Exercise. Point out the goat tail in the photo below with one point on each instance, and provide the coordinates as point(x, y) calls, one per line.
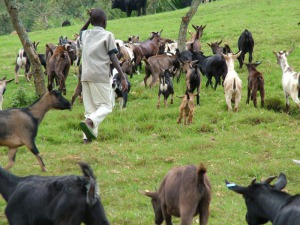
point(234, 84)
point(91, 185)
point(201, 170)
point(202, 180)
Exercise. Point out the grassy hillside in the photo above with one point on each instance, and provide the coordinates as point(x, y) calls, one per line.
point(137, 147)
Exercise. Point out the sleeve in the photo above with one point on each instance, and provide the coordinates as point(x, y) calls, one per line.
point(111, 44)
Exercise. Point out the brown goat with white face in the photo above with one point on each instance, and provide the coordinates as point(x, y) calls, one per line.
point(185, 192)
point(255, 83)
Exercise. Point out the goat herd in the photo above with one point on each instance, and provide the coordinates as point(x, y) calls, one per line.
point(185, 191)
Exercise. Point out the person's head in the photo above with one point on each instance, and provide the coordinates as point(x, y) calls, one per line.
point(98, 18)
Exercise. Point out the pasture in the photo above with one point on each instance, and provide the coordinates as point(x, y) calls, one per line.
point(136, 147)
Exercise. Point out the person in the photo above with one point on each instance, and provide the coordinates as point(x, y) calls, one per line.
point(98, 51)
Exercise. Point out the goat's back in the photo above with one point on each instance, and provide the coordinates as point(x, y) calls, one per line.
point(184, 186)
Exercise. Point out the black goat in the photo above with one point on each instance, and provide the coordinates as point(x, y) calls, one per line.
point(19, 127)
point(211, 66)
point(69, 200)
point(245, 44)
point(165, 87)
point(266, 202)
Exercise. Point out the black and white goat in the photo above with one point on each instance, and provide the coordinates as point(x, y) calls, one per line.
point(69, 200)
point(266, 202)
point(165, 87)
point(22, 61)
point(120, 94)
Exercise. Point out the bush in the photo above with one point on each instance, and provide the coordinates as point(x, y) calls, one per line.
point(22, 98)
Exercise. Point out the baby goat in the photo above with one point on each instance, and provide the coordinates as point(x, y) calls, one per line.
point(3, 83)
point(185, 192)
point(19, 127)
point(255, 83)
point(69, 200)
point(186, 108)
point(165, 87)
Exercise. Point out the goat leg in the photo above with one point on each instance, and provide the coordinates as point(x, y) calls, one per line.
point(11, 158)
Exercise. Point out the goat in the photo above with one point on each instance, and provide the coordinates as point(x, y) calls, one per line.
point(165, 87)
point(192, 78)
point(23, 61)
point(3, 83)
point(58, 66)
point(146, 49)
point(69, 199)
point(255, 83)
point(210, 66)
point(266, 202)
point(186, 108)
point(290, 79)
point(78, 89)
point(66, 23)
point(154, 68)
point(117, 87)
point(195, 43)
point(245, 44)
point(232, 82)
point(19, 127)
point(184, 192)
point(217, 49)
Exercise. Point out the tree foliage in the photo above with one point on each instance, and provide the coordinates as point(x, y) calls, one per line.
point(44, 14)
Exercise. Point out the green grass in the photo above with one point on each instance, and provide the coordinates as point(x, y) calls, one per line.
point(137, 147)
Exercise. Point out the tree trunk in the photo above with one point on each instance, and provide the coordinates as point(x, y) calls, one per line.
point(36, 69)
point(185, 23)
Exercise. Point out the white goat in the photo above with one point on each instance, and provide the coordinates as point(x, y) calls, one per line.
point(3, 83)
point(232, 82)
point(290, 79)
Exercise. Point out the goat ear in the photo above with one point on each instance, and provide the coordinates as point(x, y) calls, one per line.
point(209, 44)
point(269, 179)
point(281, 182)
point(219, 42)
point(236, 188)
point(3, 78)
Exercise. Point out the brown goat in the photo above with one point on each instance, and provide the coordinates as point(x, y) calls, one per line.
point(217, 49)
point(195, 44)
point(58, 66)
point(255, 83)
point(185, 192)
point(156, 63)
point(187, 108)
point(19, 127)
point(146, 48)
